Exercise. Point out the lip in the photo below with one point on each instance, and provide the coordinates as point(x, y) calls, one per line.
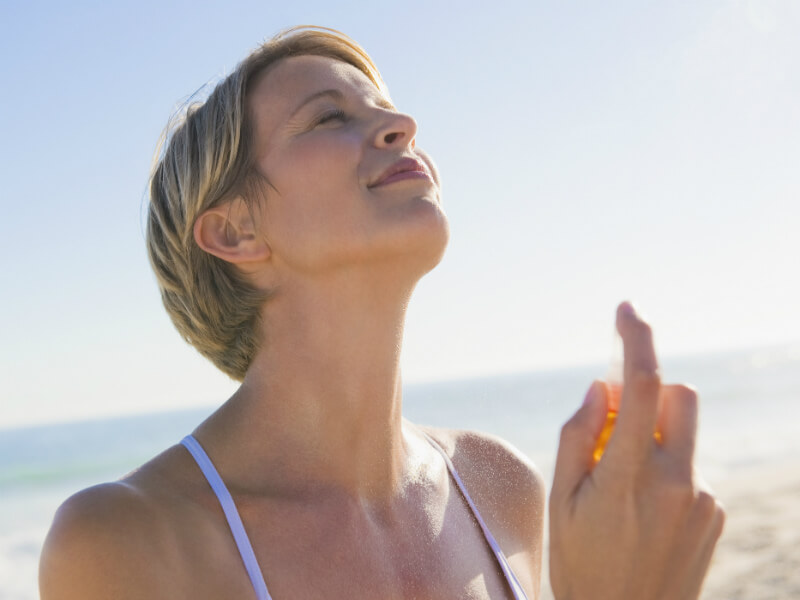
point(405, 168)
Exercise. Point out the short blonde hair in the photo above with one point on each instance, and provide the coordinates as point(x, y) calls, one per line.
point(205, 158)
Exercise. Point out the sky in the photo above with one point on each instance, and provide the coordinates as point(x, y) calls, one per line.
point(590, 153)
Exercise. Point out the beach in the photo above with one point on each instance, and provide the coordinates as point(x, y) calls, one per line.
point(758, 556)
point(748, 457)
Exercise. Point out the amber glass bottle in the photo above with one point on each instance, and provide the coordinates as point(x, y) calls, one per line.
point(614, 381)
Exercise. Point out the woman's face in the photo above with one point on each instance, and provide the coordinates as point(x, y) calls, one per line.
point(330, 143)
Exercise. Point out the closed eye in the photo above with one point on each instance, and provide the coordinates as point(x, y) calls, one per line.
point(334, 115)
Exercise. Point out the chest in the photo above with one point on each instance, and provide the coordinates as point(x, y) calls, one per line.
point(441, 554)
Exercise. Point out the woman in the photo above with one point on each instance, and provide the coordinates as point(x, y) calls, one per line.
point(291, 217)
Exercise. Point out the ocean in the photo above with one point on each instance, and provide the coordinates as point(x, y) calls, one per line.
point(749, 416)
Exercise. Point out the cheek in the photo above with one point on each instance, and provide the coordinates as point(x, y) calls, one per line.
point(327, 160)
point(307, 232)
point(318, 208)
point(319, 181)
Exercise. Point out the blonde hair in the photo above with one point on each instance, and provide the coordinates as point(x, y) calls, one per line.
point(205, 158)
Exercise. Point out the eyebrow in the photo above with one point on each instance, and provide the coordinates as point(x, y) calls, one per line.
point(337, 95)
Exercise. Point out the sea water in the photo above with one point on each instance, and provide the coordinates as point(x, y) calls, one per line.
point(748, 416)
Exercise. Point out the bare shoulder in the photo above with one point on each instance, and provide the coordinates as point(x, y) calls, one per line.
point(509, 492)
point(108, 541)
point(500, 479)
point(496, 469)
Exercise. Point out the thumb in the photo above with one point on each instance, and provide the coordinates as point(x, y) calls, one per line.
point(575, 459)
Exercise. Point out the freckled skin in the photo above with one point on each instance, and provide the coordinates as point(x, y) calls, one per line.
point(160, 533)
point(340, 496)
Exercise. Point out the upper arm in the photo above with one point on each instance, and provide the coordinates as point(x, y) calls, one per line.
point(100, 545)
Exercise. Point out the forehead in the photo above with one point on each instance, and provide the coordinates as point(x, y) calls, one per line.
point(284, 86)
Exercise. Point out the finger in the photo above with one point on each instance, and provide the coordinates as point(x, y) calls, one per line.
point(575, 458)
point(702, 553)
point(677, 422)
point(637, 340)
point(640, 394)
point(708, 521)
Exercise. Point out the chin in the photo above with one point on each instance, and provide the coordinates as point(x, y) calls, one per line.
point(430, 235)
point(441, 242)
point(410, 237)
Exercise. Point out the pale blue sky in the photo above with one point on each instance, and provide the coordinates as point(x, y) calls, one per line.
point(590, 152)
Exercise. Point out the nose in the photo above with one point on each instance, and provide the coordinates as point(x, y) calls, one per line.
point(397, 129)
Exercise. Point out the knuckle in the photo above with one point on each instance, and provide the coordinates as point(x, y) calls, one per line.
point(686, 392)
point(567, 431)
point(645, 381)
point(568, 427)
point(571, 430)
point(575, 437)
point(679, 496)
point(706, 505)
point(719, 520)
point(643, 329)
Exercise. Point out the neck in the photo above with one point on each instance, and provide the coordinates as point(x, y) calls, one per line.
point(320, 405)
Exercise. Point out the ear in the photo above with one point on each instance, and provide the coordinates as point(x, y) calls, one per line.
point(228, 232)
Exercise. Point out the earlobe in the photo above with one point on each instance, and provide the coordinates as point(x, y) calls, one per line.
point(228, 232)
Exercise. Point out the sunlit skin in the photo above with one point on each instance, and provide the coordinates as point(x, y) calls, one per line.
point(639, 523)
point(321, 159)
point(342, 497)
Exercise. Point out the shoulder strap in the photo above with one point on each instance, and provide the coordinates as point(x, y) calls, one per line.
point(513, 582)
point(231, 514)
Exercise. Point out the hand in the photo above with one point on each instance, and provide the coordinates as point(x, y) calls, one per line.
point(637, 525)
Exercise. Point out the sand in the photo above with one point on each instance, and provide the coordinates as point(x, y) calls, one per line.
point(758, 555)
